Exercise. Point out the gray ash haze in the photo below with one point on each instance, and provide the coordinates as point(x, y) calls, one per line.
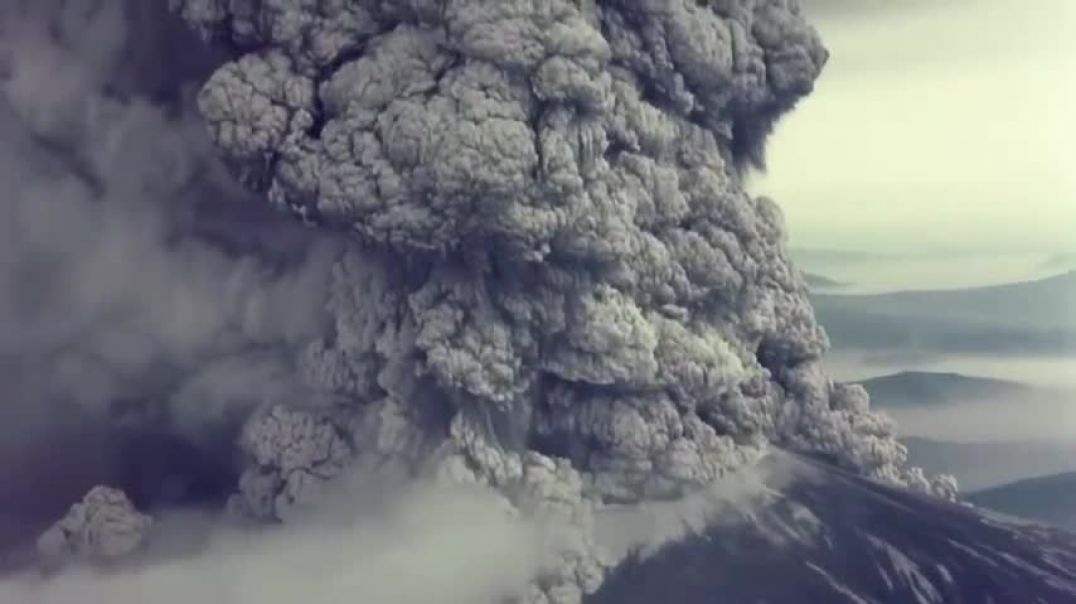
point(342, 294)
point(141, 318)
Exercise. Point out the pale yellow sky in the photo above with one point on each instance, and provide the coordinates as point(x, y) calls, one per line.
point(945, 125)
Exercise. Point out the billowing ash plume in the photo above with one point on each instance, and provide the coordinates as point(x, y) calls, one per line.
point(103, 526)
point(535, 266)
point(556, 252)
point(558, 280)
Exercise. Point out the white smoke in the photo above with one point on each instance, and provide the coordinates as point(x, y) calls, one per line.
point(389, 543)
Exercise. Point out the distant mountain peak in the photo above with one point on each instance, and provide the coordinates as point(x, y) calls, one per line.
point(815, 280)
point(932, 388)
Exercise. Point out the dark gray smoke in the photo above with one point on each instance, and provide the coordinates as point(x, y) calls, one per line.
point(147, 304)
point(535, 268)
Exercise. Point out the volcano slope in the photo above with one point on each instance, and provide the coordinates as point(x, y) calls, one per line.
point(832, 536)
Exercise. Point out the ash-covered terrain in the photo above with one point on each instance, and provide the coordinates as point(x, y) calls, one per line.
point(410, 301)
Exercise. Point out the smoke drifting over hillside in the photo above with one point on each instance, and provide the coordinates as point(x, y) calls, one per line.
point(532, 266)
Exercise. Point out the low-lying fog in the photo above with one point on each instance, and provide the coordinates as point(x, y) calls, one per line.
point(1040, 416)
point(984, 441)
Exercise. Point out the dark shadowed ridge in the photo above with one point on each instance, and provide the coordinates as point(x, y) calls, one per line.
point(864, 543)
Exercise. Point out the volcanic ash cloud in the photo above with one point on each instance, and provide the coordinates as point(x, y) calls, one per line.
point(555, 285)
point(559, 285)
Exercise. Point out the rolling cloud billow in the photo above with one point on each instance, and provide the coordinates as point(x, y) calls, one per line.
point(529, 266)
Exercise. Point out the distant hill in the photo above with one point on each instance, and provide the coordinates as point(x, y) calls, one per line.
point(920, 388)
point(1044, 303)
point(1063, 261)
point(1035, 317)
point(981, 465)
point(816, 281)
point(814, 256)
point(1050, 499)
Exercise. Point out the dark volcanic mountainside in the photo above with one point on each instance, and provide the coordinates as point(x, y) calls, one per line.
point(833, 537)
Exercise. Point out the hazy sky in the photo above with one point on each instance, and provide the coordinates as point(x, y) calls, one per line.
point(943, 124)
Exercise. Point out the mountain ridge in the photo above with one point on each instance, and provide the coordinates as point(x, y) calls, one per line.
point(1050, 498)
